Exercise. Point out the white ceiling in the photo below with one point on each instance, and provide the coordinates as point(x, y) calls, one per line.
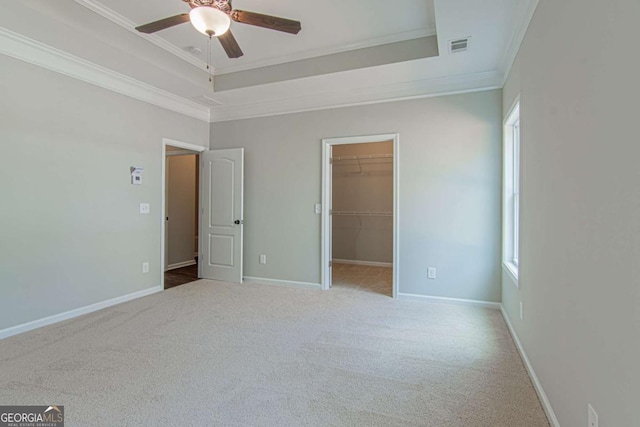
point(328, 26)
point(102, 32)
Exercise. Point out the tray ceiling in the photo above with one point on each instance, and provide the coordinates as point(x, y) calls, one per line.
point(276, 75)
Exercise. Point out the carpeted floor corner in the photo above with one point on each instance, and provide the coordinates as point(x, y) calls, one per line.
point(218, 354)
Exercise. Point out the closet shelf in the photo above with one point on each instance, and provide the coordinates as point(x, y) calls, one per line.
point(357, 213)
point(363, 157)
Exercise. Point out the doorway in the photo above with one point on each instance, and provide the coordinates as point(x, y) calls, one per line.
point(180, 224)
point(181, 216)
point(219, 217)
point(360, 213)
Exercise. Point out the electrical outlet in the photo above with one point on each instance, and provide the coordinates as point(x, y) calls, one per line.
point(144, 208)
point(317, 208)
point(593, 417)
point(521, 311)
point(145, 267)
point(263, 259)
point(431, 273)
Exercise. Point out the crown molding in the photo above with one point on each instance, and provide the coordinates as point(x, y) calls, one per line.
point(524, 16)
point(129, 25)
point(426, 88)
point(314, 53)
point(37, 53)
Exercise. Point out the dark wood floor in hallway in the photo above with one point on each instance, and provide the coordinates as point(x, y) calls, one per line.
point(180, 276)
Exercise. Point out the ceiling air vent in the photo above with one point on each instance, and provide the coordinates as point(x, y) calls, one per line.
point(459, 45)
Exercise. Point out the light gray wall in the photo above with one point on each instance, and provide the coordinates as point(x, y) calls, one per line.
point(449, 189)
point(363, 186)
point(580, 223)
point(181, 208)
point(70, 231)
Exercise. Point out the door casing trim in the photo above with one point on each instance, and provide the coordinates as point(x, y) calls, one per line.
point(325, 248)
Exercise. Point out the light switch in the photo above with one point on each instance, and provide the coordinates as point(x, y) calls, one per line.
point(144, 208)
point(318, 208)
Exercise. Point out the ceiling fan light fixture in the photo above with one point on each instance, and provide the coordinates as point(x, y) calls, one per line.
point(209, 20)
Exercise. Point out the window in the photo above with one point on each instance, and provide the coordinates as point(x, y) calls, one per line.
point(515, 191)
point(511, 196)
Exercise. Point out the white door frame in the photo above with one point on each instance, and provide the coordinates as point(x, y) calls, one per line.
point(326, 202)
point(187, 146)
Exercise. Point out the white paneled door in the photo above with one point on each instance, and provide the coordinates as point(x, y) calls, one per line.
point(222, 215)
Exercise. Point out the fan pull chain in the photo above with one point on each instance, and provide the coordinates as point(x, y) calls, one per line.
point(209, 68)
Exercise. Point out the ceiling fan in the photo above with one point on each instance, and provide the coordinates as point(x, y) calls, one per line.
point(213, 18)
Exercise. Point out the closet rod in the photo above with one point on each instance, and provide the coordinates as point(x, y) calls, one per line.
point(356, 213)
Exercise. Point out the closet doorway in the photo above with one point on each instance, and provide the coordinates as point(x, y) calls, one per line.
point(360, 214)
point(181, 216)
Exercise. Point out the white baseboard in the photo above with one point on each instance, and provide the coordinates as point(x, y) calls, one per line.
point(546, 405)
point(457, 301)
point(289, 283)
point(35, 324)
point(369, 263)
point(180, 265)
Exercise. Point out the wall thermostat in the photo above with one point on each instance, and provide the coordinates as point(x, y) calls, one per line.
point(136, 175)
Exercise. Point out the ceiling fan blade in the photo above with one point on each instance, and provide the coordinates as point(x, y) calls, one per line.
point(266, 21)
point(152, 27)
point(230, 45)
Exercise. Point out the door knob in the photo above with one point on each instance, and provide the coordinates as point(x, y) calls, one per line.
point(238, 221)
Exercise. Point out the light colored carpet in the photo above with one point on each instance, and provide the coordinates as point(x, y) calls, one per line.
point(217, 354)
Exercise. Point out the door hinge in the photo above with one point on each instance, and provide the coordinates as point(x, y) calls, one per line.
point(330, 160)
point(330, 264)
